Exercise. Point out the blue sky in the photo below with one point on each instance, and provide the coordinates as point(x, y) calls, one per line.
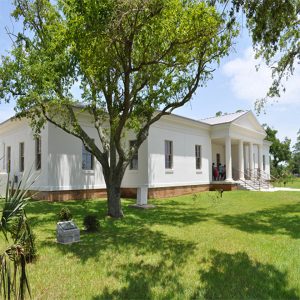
point(236, 85)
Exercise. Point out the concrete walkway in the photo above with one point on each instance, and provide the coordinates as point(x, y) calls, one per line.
point(278, 189)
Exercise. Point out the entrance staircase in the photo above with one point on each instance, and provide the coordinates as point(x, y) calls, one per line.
point(255, 181)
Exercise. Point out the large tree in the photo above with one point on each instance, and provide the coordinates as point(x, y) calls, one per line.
point(295, 161)
point(135, 61)
point(274, 26)
point(279, 150)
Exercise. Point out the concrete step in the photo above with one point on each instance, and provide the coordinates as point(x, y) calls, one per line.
point(252, 185)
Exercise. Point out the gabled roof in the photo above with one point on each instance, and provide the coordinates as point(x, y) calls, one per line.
point(228, 118)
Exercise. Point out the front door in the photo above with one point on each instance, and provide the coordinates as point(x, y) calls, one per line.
point(218, 159)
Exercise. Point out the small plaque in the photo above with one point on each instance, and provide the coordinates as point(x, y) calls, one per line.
point(67, 232)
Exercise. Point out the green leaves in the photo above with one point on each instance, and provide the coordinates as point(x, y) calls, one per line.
point(275, 29)
point(280, 150)
point(131, 58)
point(13, 278)
point(16, 230)
point(156, 44)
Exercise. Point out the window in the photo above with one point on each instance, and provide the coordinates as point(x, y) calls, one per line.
point(198, 156)
point(168, 154)
point(218, 159)
point(38, 153)
point(134, 163)
point(21, 157)
point(87, 159)
point(8, 159)
point(264, 162)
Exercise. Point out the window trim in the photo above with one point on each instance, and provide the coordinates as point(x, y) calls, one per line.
point(198, 158)
point(169, 157)
point(87, 170)
point(38, 153)
point(21, 156)
point(135, 156)
point(8, 159)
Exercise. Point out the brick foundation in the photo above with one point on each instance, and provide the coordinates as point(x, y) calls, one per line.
point(69, 195)
point(223, 186)
point(129, 193)
point(165, 192)
point(161, 192)
point(79, 194)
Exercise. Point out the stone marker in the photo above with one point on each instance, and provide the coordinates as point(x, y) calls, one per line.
point(67, 232)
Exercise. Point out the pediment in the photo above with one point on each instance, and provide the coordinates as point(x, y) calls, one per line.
point(250, 122)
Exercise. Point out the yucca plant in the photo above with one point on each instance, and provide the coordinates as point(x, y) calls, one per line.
point(17, 235)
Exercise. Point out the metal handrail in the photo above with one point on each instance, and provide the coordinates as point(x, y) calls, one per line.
point(246, 174)
point(256, 181)
point(267, 175)
point(248, 184)
point(260, 178)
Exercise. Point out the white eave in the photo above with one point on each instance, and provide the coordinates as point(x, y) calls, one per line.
point(224, 119)
point(268, 143)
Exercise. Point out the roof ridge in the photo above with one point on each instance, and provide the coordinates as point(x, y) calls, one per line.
point(226, 114)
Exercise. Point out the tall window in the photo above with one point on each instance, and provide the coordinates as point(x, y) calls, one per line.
point(87, 159)
point(264, 162)
point(21, 157)
point(134, 163)
point(4, 160)
point(168, 154)
point(8, 159)
point(38, 153)
point(198, 156)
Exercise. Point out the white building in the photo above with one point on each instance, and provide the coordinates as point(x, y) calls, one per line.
point(175, 159)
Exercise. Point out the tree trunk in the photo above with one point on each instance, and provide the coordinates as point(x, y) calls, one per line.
point(114, 199)
point(113, 178)
point(113, 175)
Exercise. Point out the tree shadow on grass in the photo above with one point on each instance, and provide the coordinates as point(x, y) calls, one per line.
point(118, 239)
point(143, 279)
point(236, 276)
point(283, 219)
point(168, 213)
point(132, 231)
point(43, 212)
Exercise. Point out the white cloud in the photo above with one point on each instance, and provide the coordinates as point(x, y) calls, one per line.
point(249, 84)
point(6, 111)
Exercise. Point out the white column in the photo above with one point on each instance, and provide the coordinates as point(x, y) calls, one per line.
point(241, 160)
point(228, 159)
point(251, 160)
point(260, 158)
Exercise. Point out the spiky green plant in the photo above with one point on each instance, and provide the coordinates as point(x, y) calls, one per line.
point(19, 241)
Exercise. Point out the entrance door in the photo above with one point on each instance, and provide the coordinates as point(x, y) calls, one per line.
point(218, 159)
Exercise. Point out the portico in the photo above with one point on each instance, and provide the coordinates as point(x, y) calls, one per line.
point(243, 159)
point(238, 145)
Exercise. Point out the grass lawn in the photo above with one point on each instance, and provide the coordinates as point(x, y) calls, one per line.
point(243, 246)
point(294, 183)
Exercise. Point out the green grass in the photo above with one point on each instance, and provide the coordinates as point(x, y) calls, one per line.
point(294, 183)
point(243, 246)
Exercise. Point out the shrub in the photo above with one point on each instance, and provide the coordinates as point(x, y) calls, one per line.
point(65, 214)
point(19, 247)
point(26, 239)
point(29, 246)
point(91, 223)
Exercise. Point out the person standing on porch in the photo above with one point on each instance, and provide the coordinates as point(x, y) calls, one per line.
point(221, 172)
point(215, 172)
